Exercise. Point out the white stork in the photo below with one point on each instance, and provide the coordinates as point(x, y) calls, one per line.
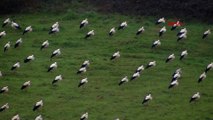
point(18, 43)
point(139, 69)
point(140, 31)
point(151, 64)
point(4, 107)
point(39, 117)
point(15, 25)
point(82, 82)
point(115, 55)
point(161, 20)
point(84, 116)
point(56, 52)
point(82, 70)
point(29, 58)
point(16, 117)
point(182, 31)
point(195, 97)
point(182, 36)
point(57, 78)
point(173, 84)
point(54, 30)
point(122, 25)
point(175, 25)
point(135, 75)
point(202, 77)
point(206, 33)
point(52, 66)
point(123, 80)
point(147, 98)
point(176, 76)
point(38, 105)
point(26, 85)
point(28, 29)
point(162, 31)
point(84, 23)
point(7, 21)
point(2, 34)
point(15, 66)
point(4, 89)
point(55, 25)
point(45, 44)
point(6, 46)
point(170, 58)
point(156, 43)
point(112, 31)
point(86, 63)
point(209, 67)
point(183, 54)
point(89, 34)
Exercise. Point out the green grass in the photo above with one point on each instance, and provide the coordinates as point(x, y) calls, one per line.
point(102, 98)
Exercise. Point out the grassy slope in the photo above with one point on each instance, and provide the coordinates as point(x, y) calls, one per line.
point(102, 97)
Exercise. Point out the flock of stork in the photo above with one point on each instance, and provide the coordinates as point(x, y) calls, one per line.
point(182, 34)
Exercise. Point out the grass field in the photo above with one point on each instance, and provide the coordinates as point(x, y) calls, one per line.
point(101, 97)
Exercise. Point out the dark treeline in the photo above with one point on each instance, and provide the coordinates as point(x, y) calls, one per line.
point(180, 9)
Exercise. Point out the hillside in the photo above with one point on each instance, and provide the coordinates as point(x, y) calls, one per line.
point(101, 97)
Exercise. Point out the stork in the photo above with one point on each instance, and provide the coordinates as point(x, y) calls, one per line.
point(4, 107)
point(39, 117)
point(202, 77)
point(84, 116)
point(15, 25)
point(170, 58)
point(122, 25)
point(135, 75)
point(179, 70)
point(4, 89)
point(140, 31)
point(86, 63)
point(182, 36)
point(182, 31)
point(195, 97)
point(139, 69)
point(151, 64)
point(84, 23)
point(82, 70)
point(147, 98)
point(54, 30)
point(2, 34)
point(175, 25)
point(55, 25)
point(183, 54)
point(161, 20)
point(173, 84)
point(28, 29)
point(18, 43)
point(123, 80)
point(52, 66)
point(56, 52)
point(16, 66)
point(112, 31)
point(45, 44)
point(7, 21)
point(206, 33)
point(16, 117)
point(176, 76)
point(82, 82)
point(57, 78)
point(162, 31)
point(115, 55)
point(29, 58)
point(209, 67)
point(26, 85)
point(38, 105)
point(89, 34)
point(156, 43)
point(6, 46)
